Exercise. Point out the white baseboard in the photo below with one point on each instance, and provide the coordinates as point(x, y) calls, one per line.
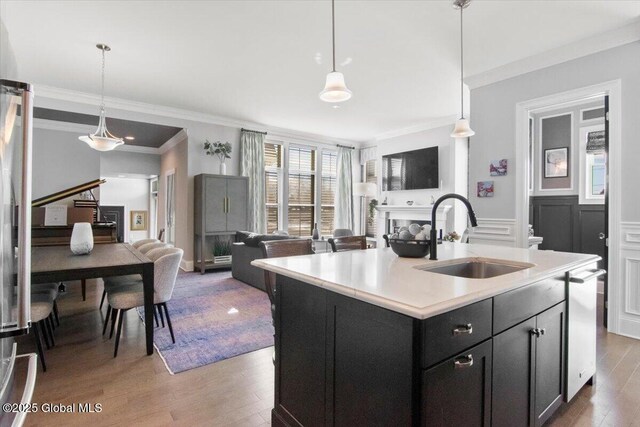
point(186, 265)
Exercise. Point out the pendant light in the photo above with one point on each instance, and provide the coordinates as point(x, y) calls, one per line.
point(335, 90)
point(102, 139)
point(462, 129)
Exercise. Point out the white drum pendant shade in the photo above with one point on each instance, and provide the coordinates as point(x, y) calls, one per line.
point(462, 129)
point(335, 90)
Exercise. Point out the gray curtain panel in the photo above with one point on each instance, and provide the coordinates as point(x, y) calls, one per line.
point(344, 192)
point(252, 166)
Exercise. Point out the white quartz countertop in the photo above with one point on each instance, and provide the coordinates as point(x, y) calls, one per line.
point(380, 277)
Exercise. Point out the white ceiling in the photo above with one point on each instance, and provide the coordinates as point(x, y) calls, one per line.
point(265, 61)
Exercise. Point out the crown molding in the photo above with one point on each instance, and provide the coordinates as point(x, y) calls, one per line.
point(173, 141)
point(81, 129)
point(76, 97)
point(431, 124)
point(598, 43)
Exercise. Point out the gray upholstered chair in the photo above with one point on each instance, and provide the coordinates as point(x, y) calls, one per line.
point(131, 295)
point(348, 243)
point(139, 243)
point(109, 282)
point(50, 289)
point(41, 308)
point(342, 232)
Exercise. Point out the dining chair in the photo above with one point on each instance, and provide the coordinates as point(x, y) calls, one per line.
point(139, 243)
point(50, 289)
point(127, 296)
point(342, 232)
point(281, 248)
point(41, 308)
point(348, 243)
point(112, 281)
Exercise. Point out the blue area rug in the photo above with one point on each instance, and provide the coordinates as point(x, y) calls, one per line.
point(214, 317)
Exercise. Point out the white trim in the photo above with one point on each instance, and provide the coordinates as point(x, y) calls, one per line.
point(494, 231)
point(431, 124)
point(540, 165)
point(591, 121)
point(83, 129)
point(173, 141)
point(186, 265)
point(584, 47)
point(59, 94)
point(614, 90)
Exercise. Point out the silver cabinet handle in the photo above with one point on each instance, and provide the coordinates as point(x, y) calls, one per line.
point(464, 329)
point(594, 274)
point(23, 265)
point(463, 362)
point(601, 236)
point(538, 332)
point(27, 393)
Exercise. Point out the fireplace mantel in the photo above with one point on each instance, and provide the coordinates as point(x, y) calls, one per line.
point(444, 218)
point(417, 209)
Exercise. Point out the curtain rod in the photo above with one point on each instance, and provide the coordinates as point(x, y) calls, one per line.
point(254, 131)
point(345, 146)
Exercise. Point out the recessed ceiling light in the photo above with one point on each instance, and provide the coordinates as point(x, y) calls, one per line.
point(122, 176)
point(129, 138)
point(335, 107)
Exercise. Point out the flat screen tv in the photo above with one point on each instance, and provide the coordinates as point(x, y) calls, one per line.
point(411, 170)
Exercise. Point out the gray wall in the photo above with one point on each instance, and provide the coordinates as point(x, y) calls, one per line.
point(8, 67)
point(61, 161)
point(125, 162)
point(493, 119)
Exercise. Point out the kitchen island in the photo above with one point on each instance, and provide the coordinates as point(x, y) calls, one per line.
point(368, 338)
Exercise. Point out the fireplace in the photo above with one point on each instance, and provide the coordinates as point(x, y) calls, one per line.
point(394, 224)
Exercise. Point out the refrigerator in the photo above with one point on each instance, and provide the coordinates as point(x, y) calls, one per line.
point(16, 122)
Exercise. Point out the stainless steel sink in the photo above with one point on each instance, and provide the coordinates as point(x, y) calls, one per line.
point(475, 268)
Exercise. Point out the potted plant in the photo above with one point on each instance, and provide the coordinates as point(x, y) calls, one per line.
point(220, 149)
point(372, 210)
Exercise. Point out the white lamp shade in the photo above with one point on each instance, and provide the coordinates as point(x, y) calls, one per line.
point(365, 189)
point(462, 129)
point(335, 90)
point(101, 143)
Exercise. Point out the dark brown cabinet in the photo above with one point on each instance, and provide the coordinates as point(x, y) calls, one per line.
point(528, 369)
point(344, 362)
point(457, 392)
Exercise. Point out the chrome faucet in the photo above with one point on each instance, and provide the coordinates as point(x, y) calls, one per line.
point(434, 232)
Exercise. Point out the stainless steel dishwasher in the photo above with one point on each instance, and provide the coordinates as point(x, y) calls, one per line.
point(582, 288)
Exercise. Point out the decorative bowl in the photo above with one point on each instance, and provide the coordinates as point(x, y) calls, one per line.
point(410, 202)
point(408, 248)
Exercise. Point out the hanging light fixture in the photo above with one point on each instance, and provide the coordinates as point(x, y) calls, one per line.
point(335, 90)
point(102, 139)
point(462, 129)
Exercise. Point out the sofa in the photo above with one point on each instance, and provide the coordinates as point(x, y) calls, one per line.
point(246, 249)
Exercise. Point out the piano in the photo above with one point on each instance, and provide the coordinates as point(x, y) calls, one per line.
point(83, 211)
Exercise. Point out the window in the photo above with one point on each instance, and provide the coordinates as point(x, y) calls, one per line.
point(273, 183)
point(370, 175)
point(328, 191)
point(302, 188)
point(593, 165)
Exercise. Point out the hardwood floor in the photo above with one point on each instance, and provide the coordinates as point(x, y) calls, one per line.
point(135, 389)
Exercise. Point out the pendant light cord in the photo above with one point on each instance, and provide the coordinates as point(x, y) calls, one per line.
point(102, 93)
point(461, 67)
point(333, 33)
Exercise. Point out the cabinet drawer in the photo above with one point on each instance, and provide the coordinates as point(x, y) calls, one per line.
point(450, 333)
point(457, 392)
point(518, 305)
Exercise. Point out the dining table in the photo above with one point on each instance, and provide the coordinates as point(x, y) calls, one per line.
point(59, 264)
